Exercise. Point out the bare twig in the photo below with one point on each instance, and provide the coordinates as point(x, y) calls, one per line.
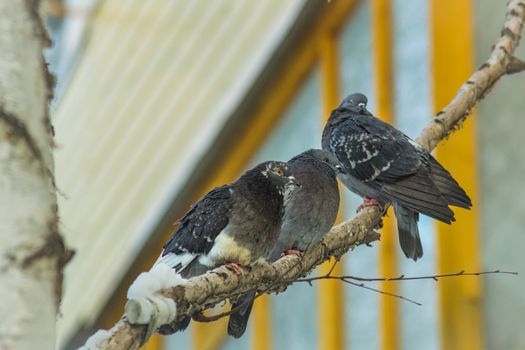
point(362, 285)
point(515, 66)
point(205, 291)
point(403, 277)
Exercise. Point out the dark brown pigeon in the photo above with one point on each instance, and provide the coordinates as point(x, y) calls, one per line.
point(236, 224)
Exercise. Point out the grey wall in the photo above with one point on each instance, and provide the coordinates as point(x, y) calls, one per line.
point(501, 120)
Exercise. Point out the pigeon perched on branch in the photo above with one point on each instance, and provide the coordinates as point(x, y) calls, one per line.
point(236, 224)
point(310, 212)
point(383, 165)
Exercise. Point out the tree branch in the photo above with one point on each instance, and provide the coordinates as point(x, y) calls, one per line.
point(202, 292)
point(500, 62)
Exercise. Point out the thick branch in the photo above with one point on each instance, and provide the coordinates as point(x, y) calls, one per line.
point(205, 291)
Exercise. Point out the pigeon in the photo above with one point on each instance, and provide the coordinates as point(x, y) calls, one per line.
point(383, 165)
point(310, 212)
point(235, 224)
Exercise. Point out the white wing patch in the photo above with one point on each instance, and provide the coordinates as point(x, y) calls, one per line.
point(369, 155)
point(172, 260)
point(377, 171)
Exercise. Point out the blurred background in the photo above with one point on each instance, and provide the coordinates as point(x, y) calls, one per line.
point(159, 101)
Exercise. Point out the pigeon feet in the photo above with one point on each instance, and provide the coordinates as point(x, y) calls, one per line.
point(292, 252)
point(369, 202)
point(235, 267)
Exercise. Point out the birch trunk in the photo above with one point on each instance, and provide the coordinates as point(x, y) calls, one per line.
point(32, 252)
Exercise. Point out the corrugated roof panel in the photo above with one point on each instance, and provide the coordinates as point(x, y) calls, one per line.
point(157, 81)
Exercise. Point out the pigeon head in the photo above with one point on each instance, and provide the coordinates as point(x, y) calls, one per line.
point(327, 158)
point(355, 103)
point(327, 161)
point(278, 173)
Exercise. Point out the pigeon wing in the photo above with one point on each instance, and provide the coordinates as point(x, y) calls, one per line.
point(198, 229)
point(371, 151)
point(386, 159)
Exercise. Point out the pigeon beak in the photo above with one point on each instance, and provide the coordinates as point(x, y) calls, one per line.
point(293, 181)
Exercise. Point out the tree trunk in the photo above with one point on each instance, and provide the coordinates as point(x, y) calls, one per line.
point(32, 252)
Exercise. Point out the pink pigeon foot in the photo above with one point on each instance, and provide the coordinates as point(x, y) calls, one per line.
point(369, 202)
point(235, 267)
point(291, 252)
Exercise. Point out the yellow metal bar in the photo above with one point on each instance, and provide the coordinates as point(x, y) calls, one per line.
point(262, 324)
point(156, 342)
point(452, 59)
point(381, 18)
point(330, 296)
point(208, 336)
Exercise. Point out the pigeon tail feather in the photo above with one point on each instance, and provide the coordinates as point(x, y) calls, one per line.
point(176, 326)
point(408, 232)
point(239, 320)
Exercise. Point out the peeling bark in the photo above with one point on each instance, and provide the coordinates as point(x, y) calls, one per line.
point(500, 62)
point(207, 290)
point(32, 253)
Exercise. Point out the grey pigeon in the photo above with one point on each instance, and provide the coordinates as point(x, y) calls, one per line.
point(381, 163)
point(310, 212)
point(236, 224)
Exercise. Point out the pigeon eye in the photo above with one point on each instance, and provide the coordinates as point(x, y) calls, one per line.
point(279, 172)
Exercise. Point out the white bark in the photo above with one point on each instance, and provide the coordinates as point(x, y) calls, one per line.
point(32, 253)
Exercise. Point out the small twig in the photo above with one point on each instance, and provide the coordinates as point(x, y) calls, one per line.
point(329, 273)
point(200, 317)
point(362, 285)
point(347, 279)
point(403, 278)
point(515, 66)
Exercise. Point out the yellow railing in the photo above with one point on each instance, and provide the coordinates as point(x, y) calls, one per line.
point(381, 20)
point(452, 57)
